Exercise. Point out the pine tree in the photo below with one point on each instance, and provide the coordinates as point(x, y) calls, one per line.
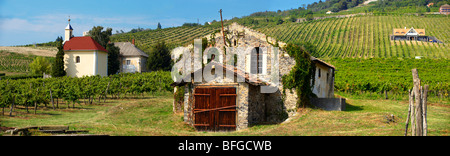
point(113, 59)
point(58, 66)
point(159, 26)
point(159, 58)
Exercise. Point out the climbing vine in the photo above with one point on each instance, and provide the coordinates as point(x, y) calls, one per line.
point(301, 77)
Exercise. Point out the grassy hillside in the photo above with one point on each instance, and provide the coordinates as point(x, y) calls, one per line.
point(366, 36)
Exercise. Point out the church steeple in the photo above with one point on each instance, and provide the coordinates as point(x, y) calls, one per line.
point(68, 32)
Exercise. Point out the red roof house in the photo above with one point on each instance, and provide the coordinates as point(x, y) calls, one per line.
point(83, 56)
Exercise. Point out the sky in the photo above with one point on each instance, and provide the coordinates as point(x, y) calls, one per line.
point(39, 21)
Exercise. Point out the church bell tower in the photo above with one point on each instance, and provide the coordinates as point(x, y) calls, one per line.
point(68, 32)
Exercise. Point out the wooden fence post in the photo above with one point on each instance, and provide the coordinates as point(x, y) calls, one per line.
point(424, 109)
point(410, 95)
point(413, 117)
point(417, 110)
point(418, 101)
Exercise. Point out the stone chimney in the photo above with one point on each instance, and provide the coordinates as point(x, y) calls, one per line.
point(132, 41)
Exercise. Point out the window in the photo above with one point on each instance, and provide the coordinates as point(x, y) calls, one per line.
point(328, 75)
point(128, 62)
point(256, 66)
point(319, 72)
point(77, 59)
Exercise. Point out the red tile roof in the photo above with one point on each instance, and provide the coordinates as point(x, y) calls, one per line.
point(83, 43)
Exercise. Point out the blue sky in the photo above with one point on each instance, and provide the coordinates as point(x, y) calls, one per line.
point(29, 21)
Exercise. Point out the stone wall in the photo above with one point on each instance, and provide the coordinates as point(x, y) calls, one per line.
point(242, 106)
point(257, 105)
point(188, 104)
point(290, 97)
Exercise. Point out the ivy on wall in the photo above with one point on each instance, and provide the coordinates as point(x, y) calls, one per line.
point(301, 77)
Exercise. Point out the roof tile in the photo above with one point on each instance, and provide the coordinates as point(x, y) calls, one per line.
point(83, 43)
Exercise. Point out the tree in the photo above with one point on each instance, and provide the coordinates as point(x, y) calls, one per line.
point(58, 66)
point(292, 19)
point(103, 38)
point(190, 24)
point(59, 38)
point(342, 5)
point(279, 21)
point(159, 26)
point(159, 57)
point(40, 65)
point(309, 16)
point(113, 59)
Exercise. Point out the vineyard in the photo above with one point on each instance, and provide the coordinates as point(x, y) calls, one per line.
point(365, 36)
point(14, 62)
point(380, 75)
point(177, 36)
point(35, 92)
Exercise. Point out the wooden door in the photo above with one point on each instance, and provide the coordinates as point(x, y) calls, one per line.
point(215, 108)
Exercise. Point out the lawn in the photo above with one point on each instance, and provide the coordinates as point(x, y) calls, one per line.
point(150, 116)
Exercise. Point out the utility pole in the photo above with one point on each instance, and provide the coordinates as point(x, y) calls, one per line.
point(223, 32)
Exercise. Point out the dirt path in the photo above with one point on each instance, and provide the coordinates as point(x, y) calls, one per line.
point(38, 51)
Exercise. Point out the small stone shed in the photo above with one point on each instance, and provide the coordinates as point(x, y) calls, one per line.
point(226, 104)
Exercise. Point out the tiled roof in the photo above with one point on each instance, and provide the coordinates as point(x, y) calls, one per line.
point(128, 49)
point(446, 6)
point(322, 62)
point(403, 32)
point(82, 43)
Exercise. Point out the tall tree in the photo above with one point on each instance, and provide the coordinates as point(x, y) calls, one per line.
point(113, 59)
point(159, 26)
point(159, 57)
point(103, 38)
point(58, 66)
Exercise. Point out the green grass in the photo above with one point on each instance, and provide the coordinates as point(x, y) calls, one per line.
point(152, 116)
